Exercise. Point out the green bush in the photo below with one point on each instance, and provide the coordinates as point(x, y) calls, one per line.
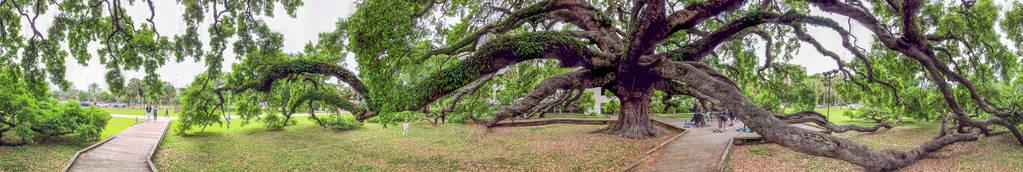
point(611, 107)
point(30, 115)
point(869, 113)
point(341, 123)
point(459, 117)
point(373, 120)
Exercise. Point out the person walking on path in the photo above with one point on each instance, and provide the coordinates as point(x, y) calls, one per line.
point(148, 110)
point(166, 111)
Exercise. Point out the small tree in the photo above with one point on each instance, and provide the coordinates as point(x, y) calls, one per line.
point(611, 107)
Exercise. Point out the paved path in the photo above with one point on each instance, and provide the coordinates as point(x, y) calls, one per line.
point(700, 149)
point(127, 151)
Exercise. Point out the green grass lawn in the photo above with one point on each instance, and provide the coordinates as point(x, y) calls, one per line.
point(53, 154)
point(447, 147)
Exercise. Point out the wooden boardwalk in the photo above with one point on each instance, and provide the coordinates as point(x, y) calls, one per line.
point(698, 149)
point(129, 150)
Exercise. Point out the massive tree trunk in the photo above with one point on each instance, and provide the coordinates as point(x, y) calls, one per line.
point(633, 115)
point(633, 118)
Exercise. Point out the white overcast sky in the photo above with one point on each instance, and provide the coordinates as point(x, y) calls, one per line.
point(318, 16)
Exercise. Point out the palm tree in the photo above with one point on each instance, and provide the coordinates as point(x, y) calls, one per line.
point(169, 92)
point(135, 89)
point(93, 88)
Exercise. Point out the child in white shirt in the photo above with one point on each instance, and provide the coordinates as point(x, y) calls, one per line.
point(405, 126)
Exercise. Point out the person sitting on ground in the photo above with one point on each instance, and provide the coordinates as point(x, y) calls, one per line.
point(697, 118)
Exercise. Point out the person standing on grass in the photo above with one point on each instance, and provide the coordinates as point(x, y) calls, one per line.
point(166, 112)
point(404, 127)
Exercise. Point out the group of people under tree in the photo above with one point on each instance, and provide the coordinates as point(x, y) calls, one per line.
point(724, 118)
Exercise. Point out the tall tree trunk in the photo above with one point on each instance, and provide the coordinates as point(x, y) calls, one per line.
point(635, 93)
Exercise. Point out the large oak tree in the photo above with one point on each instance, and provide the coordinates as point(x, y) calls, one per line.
point(409, 55)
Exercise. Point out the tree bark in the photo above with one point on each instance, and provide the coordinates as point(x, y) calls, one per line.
point(634, 119)
point(635, 93)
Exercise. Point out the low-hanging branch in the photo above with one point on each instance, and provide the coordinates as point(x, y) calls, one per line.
point(778, 131)
point(918, 49)
point(458, 96)
point(493, 56)
point(499, 53)
point(821, 120)
point(547, 87)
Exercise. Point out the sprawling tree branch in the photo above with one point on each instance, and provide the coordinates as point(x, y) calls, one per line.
point(547, 87)
point(514, 20)
point(499, 53)
point(917, 48)
point(696, 13)
point(777, 131)
point(464, 91)
point(821, 120)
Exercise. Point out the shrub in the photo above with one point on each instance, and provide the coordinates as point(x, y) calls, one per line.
point(341, 123)
point(373, 120)
point(28, 113)
point(869, 113)
point(460, 118)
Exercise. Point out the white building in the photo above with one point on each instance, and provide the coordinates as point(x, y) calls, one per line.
point(600, 98)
